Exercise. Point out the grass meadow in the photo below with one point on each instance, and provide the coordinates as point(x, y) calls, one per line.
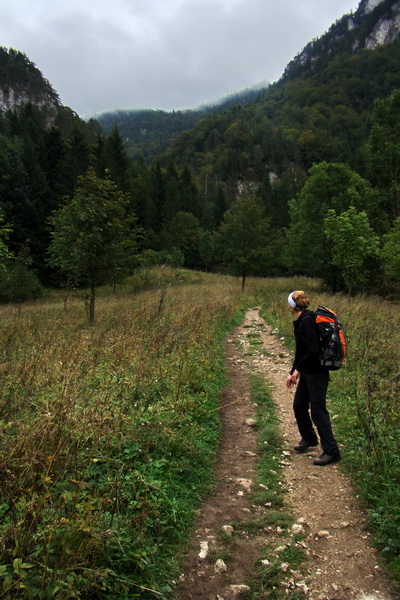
point(108, 432)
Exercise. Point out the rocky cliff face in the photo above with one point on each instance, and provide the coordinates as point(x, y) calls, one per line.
point(368, 6)
point(386, 30)
point(375, 22)
point(22, 82)
point(13, 97)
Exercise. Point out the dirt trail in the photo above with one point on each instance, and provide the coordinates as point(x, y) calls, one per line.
point(341, 563)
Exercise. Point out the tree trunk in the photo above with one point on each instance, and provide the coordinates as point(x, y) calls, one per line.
point(91, 303)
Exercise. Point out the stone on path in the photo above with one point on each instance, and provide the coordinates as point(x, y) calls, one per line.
point(323, 533)
point(220, 566)
point(235, 591)
point(203, 550)
point(227, 529)
point(246, 483)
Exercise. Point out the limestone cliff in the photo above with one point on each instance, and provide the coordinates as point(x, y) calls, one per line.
point(374, 23)
point(21, 82)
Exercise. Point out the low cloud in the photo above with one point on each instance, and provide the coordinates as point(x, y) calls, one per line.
point(103, 55)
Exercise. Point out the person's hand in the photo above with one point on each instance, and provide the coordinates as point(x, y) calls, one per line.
point(292, 379)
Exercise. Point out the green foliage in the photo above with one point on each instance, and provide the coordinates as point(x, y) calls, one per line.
point(173, 258)
point(150, 132)
point(18, 72)
point(38, 165)
point(242, 240)
point(320, 112)
point(319, 115)
point(384, 150)
point(390, 253)
point(5, 254)
point(330, 186)
point(19, 284)
point(354, 245)
point(93, 241)
point(183, 233)
point(118, 160)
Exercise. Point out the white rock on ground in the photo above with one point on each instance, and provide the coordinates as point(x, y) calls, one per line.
point(236, 590)
point(227, 529)
point(246, 483)
point(203, 550)
point(220, 566)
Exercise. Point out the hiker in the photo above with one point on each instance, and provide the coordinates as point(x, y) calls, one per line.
point(310, 395)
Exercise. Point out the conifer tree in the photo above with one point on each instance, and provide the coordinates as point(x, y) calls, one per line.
point(158, 194)
point(142, 200)
point(53, 161)
point(77, 157)
point(117, 160)
point(189, 193)
point(173, 201)
point(100, 156)
point(384, 150)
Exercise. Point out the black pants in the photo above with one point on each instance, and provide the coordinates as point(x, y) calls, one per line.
point(310, 396)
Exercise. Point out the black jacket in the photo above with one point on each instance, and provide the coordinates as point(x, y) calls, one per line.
point(308, 345)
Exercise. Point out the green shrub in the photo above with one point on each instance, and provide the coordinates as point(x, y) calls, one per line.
point(19, 284)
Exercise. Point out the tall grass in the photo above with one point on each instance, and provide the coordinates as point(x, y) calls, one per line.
point(108, 433)
point(108, 436)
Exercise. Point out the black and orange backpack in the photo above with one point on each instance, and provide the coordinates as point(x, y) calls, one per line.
point(333, 340)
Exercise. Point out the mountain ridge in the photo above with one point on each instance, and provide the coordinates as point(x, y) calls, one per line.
point(374, 23)
point(143, 127)
point(21, 82)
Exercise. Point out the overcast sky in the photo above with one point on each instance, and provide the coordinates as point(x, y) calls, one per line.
point(103, 55)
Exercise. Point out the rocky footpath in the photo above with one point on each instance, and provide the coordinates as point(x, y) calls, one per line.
point(340, 561)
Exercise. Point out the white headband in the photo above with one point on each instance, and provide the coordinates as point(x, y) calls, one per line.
point(290, 300)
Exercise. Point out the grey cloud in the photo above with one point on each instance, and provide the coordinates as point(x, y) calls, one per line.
point(103, 55)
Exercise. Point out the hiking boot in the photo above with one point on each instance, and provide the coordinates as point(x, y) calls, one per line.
point(326, 459)
point(302, 446)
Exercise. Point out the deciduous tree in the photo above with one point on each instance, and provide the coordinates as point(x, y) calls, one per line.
point(330, 186)
point(354, 245)
point(93, 238)
point(390, 253)
point(184, 233)
point(5, 254)
point(243, 236)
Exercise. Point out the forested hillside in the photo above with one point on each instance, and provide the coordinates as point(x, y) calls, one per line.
point(240, 191)
point(21, 82)
point(333, 112)
point(148, 133)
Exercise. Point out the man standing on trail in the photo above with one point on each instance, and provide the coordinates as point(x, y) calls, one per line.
point(310, 395)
